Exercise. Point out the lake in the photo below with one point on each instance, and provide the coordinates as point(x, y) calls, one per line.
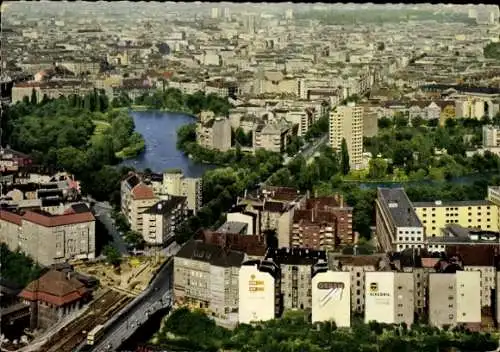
point(159, 129)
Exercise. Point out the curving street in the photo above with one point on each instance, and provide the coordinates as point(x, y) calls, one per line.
point(102, 211)
point(156, 297)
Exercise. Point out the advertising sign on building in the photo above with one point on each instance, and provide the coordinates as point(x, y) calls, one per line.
point(331, 297)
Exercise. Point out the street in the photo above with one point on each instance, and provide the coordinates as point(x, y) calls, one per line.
point(103, 214)
point(157, 296)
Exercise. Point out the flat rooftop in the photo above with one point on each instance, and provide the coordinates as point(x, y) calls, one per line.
point(233, 227)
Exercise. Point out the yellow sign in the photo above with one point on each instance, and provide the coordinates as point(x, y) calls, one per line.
point(255, 285)
point(374, 291)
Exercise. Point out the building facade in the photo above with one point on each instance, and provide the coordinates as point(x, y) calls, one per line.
point(346, 122)
point(259, 291)
point(176, 184)
point(161, 220)
point(436, 215)
point(206, 277)
point(389, 297)
point(455, 298)
point(331, 297)
point(397, 225)
point(49, 238)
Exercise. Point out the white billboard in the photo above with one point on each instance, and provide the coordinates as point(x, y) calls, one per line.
point(256, 295)
point(331, 297)
point(379, 297)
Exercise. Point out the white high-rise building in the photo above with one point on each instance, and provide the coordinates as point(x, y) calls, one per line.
point(259, 291)
point(227, 13)
point(346, 122)
point(289, 14)
point(214, 12)
point(331, 297)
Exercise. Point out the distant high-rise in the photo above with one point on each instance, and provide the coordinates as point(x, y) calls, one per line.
point(346, 122)
point(215, 12)
point(249, 23)
point(289, 14)
point(227, 13)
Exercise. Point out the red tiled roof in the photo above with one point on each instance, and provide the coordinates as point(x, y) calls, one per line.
point(11, 217)
point(57, 220)
point(142, 191)
point(54, 287)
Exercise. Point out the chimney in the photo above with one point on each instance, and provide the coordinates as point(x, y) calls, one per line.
point(68, 276)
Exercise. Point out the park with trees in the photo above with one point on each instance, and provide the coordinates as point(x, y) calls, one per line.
point(194, 331)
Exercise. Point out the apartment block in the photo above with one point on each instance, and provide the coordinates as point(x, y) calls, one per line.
point(176, 184)
point(161, 220)
point(494, 197)
point(272, 136)
point(296, 266)
point(434, 216)
point(357, 266)
point(50, 238)
point(346, 122)
point(455, 298)
point(254, 246)
point(397, 224)
point(491, 136)
point(136, 198)
point(274, 208)
point(324, 224)
point(259, 291)
point(331, 297)
point(206, 277)
point(389, 297)
point(214, 134)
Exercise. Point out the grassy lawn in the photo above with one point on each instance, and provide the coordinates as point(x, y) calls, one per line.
point(100, 127)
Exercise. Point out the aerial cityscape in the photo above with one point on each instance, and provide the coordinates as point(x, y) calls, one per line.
point(249, 177)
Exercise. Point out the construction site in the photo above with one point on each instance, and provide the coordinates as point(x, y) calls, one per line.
point(118, 286)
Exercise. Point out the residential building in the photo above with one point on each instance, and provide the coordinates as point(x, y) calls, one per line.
point(491, 136)
point(259, 291)
point(238, 214)
point(357, 266)
point(52, 297)
point(136, 198)
point(176, 184)
point(296, 266)
point(325, 223)
point(50, 238)
point(254, 246)
point(436, 215)
point(397, 224)
point(346, 122)
point(161, 220)
point(206, 277)
point(389, 297)
point(331, 297)
point(455, 298)
point(494, 197)
point(11, 160)
point(272, 136)
point(419, 263)
point(214, 134)
point(274, 208)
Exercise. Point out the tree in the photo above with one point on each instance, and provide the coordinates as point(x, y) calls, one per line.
point(33, 100)
point(377, 168)
point(344, 157)
point(113, 256)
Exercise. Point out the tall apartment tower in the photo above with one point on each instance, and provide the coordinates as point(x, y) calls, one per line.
point(346, 122)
